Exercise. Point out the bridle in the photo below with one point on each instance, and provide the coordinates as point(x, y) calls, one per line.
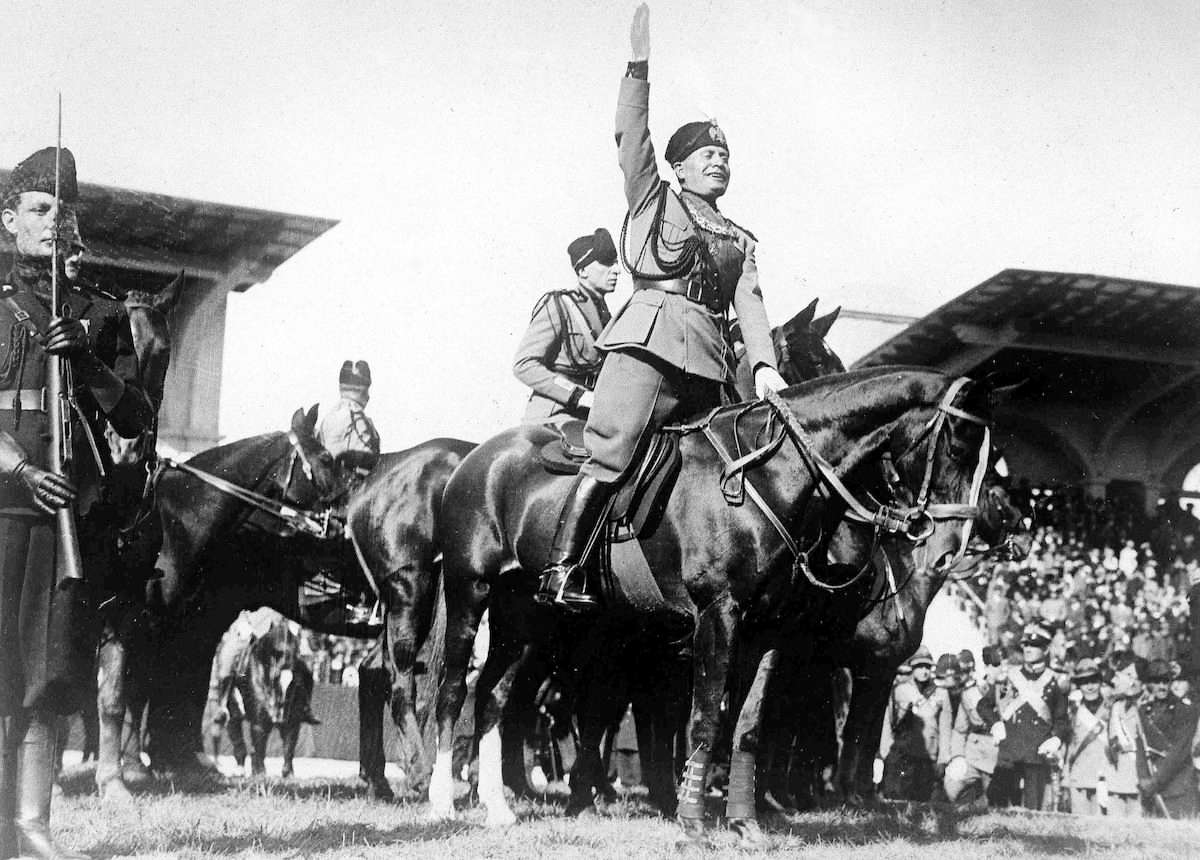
point(319, 524)
point(916, 522)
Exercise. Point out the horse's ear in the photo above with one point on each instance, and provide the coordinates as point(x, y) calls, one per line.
point(310, 420)
point(165, 299)
point(822, 325)
point(805, 317)
point(1003, 387)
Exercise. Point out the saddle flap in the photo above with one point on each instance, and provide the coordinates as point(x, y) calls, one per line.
point(564, 455)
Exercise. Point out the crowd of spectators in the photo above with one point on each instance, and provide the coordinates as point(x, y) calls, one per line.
point(333, 659)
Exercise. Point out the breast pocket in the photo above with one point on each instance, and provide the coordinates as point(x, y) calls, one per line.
point(633, 325)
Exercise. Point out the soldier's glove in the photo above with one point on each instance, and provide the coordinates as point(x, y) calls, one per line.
point(767, 379)
point(66, 337)
point(1049, 747)
point(50, 491)
point(998, 731)
point(957, 769)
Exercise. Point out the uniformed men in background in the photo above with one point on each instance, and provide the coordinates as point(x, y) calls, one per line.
point(346, 431)
point(1032, 708)
point(1166, 778)
point(1086, 763)
point(47, 633)
point(1123, 739)
point(916, 733)
point(973, 747)
point(558, 357)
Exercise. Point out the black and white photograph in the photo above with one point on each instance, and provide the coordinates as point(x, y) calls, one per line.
point(597, 429)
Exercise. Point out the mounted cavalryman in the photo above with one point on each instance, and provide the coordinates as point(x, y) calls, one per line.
point(668, 350)
point(45, 658)
point(557, 356)
point(346, 431)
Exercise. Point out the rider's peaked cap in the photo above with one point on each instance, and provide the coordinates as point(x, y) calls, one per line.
point(36, 173)
point(692, 136)
point(355, 374)
point(1036, 635)
point(921, 658)
point(596, 248)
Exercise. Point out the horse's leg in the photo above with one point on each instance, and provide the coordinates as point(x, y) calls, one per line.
point(715, 633)
point(110, 707)
point(600, 705)
point(860, 737)
point(289, 733)
point(492, 692)
point(236, 727)
point(373, 687)
point(747, 732)
point(410, 596)
point(466, 598)
point(260, 733)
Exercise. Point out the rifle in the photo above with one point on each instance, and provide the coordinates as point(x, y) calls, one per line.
point(58, 393)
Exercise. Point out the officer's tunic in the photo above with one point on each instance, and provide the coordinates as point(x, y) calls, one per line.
point(668, 356)
point(1123, 742)
point(1033, 709)
point(1087, 755)
point(971, 738)
point(558, 357)
point(348, 433)
point(1165, 755)
point(37, 669)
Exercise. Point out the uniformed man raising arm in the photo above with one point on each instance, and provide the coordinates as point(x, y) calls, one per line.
point(558, 357)
point(668, 349)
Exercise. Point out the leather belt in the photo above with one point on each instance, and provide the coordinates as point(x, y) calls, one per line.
point(30, 400)
point(694, 290)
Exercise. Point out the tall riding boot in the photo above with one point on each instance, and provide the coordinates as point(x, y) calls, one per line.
point(8, 786)
point(35, 784)
point(580, 514)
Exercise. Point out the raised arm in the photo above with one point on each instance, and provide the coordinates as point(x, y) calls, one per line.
point(635, 153)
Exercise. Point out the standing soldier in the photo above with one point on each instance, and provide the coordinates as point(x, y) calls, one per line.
point(1087, 750)
point(346, 431)
point(1033, 709)
point(558, 357)
point(973, 747)
point(668, 350)
point(44, 663)
point(916, 733)
point(1123, 733)
point(1166, 778)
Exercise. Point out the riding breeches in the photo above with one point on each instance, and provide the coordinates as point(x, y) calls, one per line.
point(635, 396)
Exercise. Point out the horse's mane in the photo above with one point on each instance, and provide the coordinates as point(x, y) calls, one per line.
point(233, 451)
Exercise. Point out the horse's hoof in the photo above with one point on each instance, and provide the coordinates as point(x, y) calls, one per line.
point(380, 790)
point(501, 817)
point(115, 793)
point(749, 834)
point(136, 774)
point(287, 773)
point(694, 831)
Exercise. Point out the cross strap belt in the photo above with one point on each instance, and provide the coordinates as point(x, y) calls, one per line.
point(23, 400)
point(692, 289)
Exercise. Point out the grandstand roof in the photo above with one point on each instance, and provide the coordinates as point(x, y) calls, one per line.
point(137, 239)
point(1070, 336)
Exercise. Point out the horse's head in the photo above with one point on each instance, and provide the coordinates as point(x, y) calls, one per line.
point(149, 323)
point(800, 347)
point(274, 656)
point(1000, 524)
point(318, 476)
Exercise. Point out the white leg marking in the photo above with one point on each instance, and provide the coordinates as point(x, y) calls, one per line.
point(491, 785)
point(441, 788)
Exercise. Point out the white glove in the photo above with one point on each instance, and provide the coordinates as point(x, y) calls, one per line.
point(957, 769)
point(999, 732)
point(1049, 747)
point(767, 379)
point(586, 400)
point(877, 771)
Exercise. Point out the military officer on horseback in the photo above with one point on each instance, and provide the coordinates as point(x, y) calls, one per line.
point(558, 357)
point(668, 350)
point(46, 645)
point(346, 431)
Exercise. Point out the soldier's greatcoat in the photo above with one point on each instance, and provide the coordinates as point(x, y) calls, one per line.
point(31, 674)
point(1165, 754)
point(558, 357)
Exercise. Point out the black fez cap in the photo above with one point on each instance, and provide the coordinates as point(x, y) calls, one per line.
point(355, 374)
point(36, 173)
point(596, 248)
point(692, 136)
point(1157, 671)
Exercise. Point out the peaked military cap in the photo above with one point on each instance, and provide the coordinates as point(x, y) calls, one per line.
point(1036, 635)
point(947, 665)
point(596, 248)
point(921, 658)
point(355, 374)
point(692, 136)
point(1086, 671)
point(36, 173)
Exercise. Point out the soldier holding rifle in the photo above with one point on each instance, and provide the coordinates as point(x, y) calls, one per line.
point(67, 364)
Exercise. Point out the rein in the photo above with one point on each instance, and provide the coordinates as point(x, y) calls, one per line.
point(318, 525)
point(915, 522)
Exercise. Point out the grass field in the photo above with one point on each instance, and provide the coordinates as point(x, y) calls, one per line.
point(329, 818)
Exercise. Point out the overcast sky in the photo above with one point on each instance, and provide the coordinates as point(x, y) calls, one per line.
point(889, 156)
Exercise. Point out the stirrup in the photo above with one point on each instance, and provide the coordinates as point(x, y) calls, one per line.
point(553, 591)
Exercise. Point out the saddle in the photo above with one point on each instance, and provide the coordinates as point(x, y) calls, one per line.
point(636, 508)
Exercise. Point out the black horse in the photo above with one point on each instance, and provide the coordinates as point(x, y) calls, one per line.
point(749, 573)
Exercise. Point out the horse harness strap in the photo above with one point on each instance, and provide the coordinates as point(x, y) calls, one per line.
point(307, 522)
